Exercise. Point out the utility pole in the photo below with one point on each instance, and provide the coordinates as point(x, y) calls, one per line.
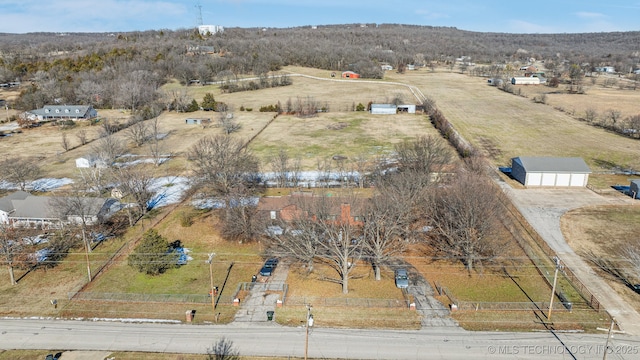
point(213, 296)
point(553, 289)
point(606, 346)
point(308, 324)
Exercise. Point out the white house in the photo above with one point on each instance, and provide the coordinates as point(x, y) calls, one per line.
point(383, 109)
point(550, 171)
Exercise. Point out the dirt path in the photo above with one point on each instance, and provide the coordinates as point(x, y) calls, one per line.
point(543, 209)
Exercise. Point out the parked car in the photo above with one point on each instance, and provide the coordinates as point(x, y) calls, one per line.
point(402, 278)
point(268, 267)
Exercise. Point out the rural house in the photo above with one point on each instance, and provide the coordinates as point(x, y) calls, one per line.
point(550, 171)
point(61, 112)
point(6, 205)
point(25, 210)
point(289, 208)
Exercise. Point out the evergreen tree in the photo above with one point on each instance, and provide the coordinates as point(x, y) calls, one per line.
point(153, 256)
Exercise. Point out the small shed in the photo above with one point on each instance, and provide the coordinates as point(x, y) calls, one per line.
point(384, 109)
point(550, 171)
point(350, 75)
point(634, 189)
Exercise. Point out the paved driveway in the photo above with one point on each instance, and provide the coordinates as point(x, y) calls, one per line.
point(543, 209)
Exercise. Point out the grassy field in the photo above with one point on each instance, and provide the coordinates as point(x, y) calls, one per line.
point(347, 134)
point(604, 231)
point(504, 126)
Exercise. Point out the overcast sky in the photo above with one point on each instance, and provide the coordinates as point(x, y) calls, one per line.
point(513, 16)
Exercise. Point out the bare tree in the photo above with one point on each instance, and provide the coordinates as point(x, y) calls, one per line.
point(108, 148)
point(465, 220)
point(326, 232)
point(155, 144)
point(11, 248)
point(64, 142)
point(226, 120)
point(222, 350)
point(82, 136)
point(135, 184)
point(19, 171)
point(241, 219)
point(280, 165)
point(138, 131)
point(426, 155)
point(77, 208)
point(222, 164)
point(590, 115)
point(385, 225)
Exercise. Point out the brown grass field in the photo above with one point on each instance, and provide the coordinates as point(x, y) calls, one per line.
point(504, 126)
point(604, 231)
point(501, 125)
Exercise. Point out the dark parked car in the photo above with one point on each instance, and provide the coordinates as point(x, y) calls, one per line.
point(268, 267)
point(402, 278)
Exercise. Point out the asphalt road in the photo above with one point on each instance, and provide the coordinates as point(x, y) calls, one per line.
point(274, 340)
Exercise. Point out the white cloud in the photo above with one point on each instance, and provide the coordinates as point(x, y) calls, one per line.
point(82, 15)
point(590, 15)
point(426, 14)
point(520, 26)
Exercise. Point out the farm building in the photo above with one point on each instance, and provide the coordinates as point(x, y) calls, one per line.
point(350, 75)
point(384, 109)
point(197, 121)
point(634, 189)
point(410, 109)
point(550, 171)
point(525, 80)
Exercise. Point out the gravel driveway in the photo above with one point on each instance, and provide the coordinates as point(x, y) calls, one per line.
point(543, 209)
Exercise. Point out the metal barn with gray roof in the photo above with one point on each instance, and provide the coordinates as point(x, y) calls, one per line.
point(550, 171)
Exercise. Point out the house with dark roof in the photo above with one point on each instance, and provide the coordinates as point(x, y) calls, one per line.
point(6, 204)
point(22, 209)
point(61, 112)
point(550, 171)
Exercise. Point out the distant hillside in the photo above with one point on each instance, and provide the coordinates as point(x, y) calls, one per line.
point(184, 55)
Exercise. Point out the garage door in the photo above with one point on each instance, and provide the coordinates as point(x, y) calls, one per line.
point(578, 179)
point(534, 179)
point(563, 179)
point(548, 179)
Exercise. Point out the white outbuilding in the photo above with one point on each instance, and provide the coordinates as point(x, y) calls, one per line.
point(385, 109)
point(525, 80)
point(550, 171)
